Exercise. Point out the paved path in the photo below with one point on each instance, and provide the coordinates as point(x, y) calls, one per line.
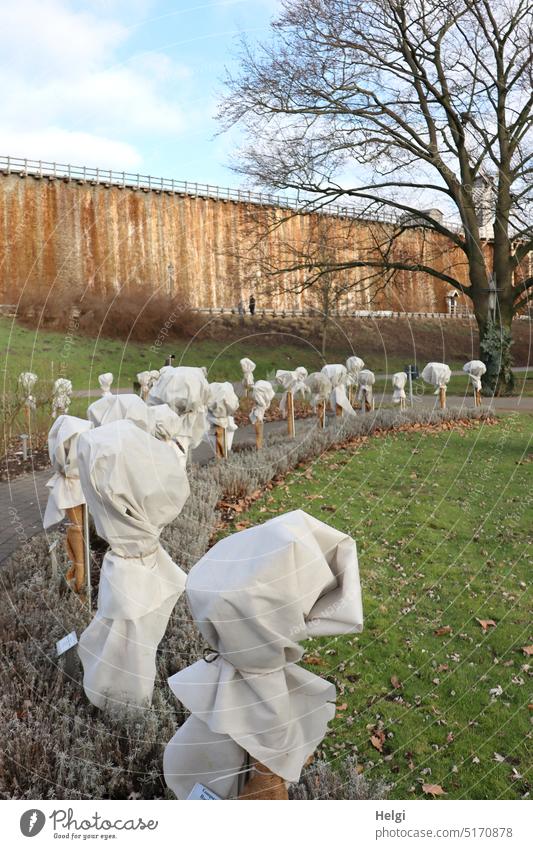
point(23, 500)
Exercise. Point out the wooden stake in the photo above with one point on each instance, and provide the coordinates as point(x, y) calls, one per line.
point(259, 435)
point(220, 442)
point(442, 397)
point(321, 410)
point(477, 397)
point(338, 410)
point(263, 784)
point(290, 414)
point(75, 547)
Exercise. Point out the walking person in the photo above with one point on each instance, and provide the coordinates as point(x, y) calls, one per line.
point(251, 304)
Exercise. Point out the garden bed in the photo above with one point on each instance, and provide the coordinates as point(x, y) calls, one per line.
point(57, 745)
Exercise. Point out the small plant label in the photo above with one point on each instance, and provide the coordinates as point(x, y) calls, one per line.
point(66, 643)
point(200, 791)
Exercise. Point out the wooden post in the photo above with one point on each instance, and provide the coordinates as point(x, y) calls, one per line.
point(368, 404)
point(290, 414)
point(220, 442)
point(321, 408)
point(350, 394)
point(477, 397)
point(338, 410)
point(263, 784)
point(442, 397)
point(75, 547)
point(87, 553)
point(258, 434)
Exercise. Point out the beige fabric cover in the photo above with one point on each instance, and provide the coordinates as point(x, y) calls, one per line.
point(64, 485)
point(114, 408)
point(146, 380)
point(475, 370)
point(186, 390)
point(248, 368)
point(319, 385)
point(221, 405)
point(255, 597)
point(354, 366)
point(291, 381)
point(134, 485)
point(438, 374)
point(338, 376)
point(262, 394)
point(367, 379)
point(105, 381)
point(398, 387)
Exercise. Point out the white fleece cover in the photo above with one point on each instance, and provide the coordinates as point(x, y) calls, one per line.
point(61, 395)
point(147, 379)
point(64, 485)
point(105, 381)
point(398, 387)
point(475, 370)
point(113, 408)
point(255, 596)
point(134, 485)
point(438, 374)
point(354, 365)
point(221, 405)
point(291, 381)
point(262, 394)
point(338, 375)
point(367, 379)
point(186, 391)
point(248, 368)
point(319, 385)
point(27, 381)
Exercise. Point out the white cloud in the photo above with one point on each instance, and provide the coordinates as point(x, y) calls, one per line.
point(67, 94)
point(54, 144)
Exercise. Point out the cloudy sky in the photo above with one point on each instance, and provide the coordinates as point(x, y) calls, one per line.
point(125, 84)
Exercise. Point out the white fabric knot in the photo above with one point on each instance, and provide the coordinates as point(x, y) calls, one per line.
point(248, 368)
point(398, 386)
point(255, 596)
point(475, 370)
point(262, 394)
point(105, 381)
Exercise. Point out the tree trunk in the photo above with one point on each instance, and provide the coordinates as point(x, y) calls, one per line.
point(495, 342)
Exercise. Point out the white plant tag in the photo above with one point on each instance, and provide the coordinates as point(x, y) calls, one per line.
point(200, 791)
point(66, 643)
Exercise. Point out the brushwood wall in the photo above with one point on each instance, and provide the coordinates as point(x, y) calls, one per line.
point(59, 235)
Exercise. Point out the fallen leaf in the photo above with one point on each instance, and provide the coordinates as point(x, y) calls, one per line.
point(528, 650)
point(499, 758)
point(396, 683)
point(314, 660)
point(486, 623)
point(445, 629)
point(343, 706)
point(433, 790)
point(377, 741)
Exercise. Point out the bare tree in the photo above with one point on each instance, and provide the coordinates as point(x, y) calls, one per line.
point(405, 107)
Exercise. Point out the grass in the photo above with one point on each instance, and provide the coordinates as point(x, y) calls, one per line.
point(442, 523)
point(52, 354)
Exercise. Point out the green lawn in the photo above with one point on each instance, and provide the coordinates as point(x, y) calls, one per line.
point(81, 359)
point(442, 523)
